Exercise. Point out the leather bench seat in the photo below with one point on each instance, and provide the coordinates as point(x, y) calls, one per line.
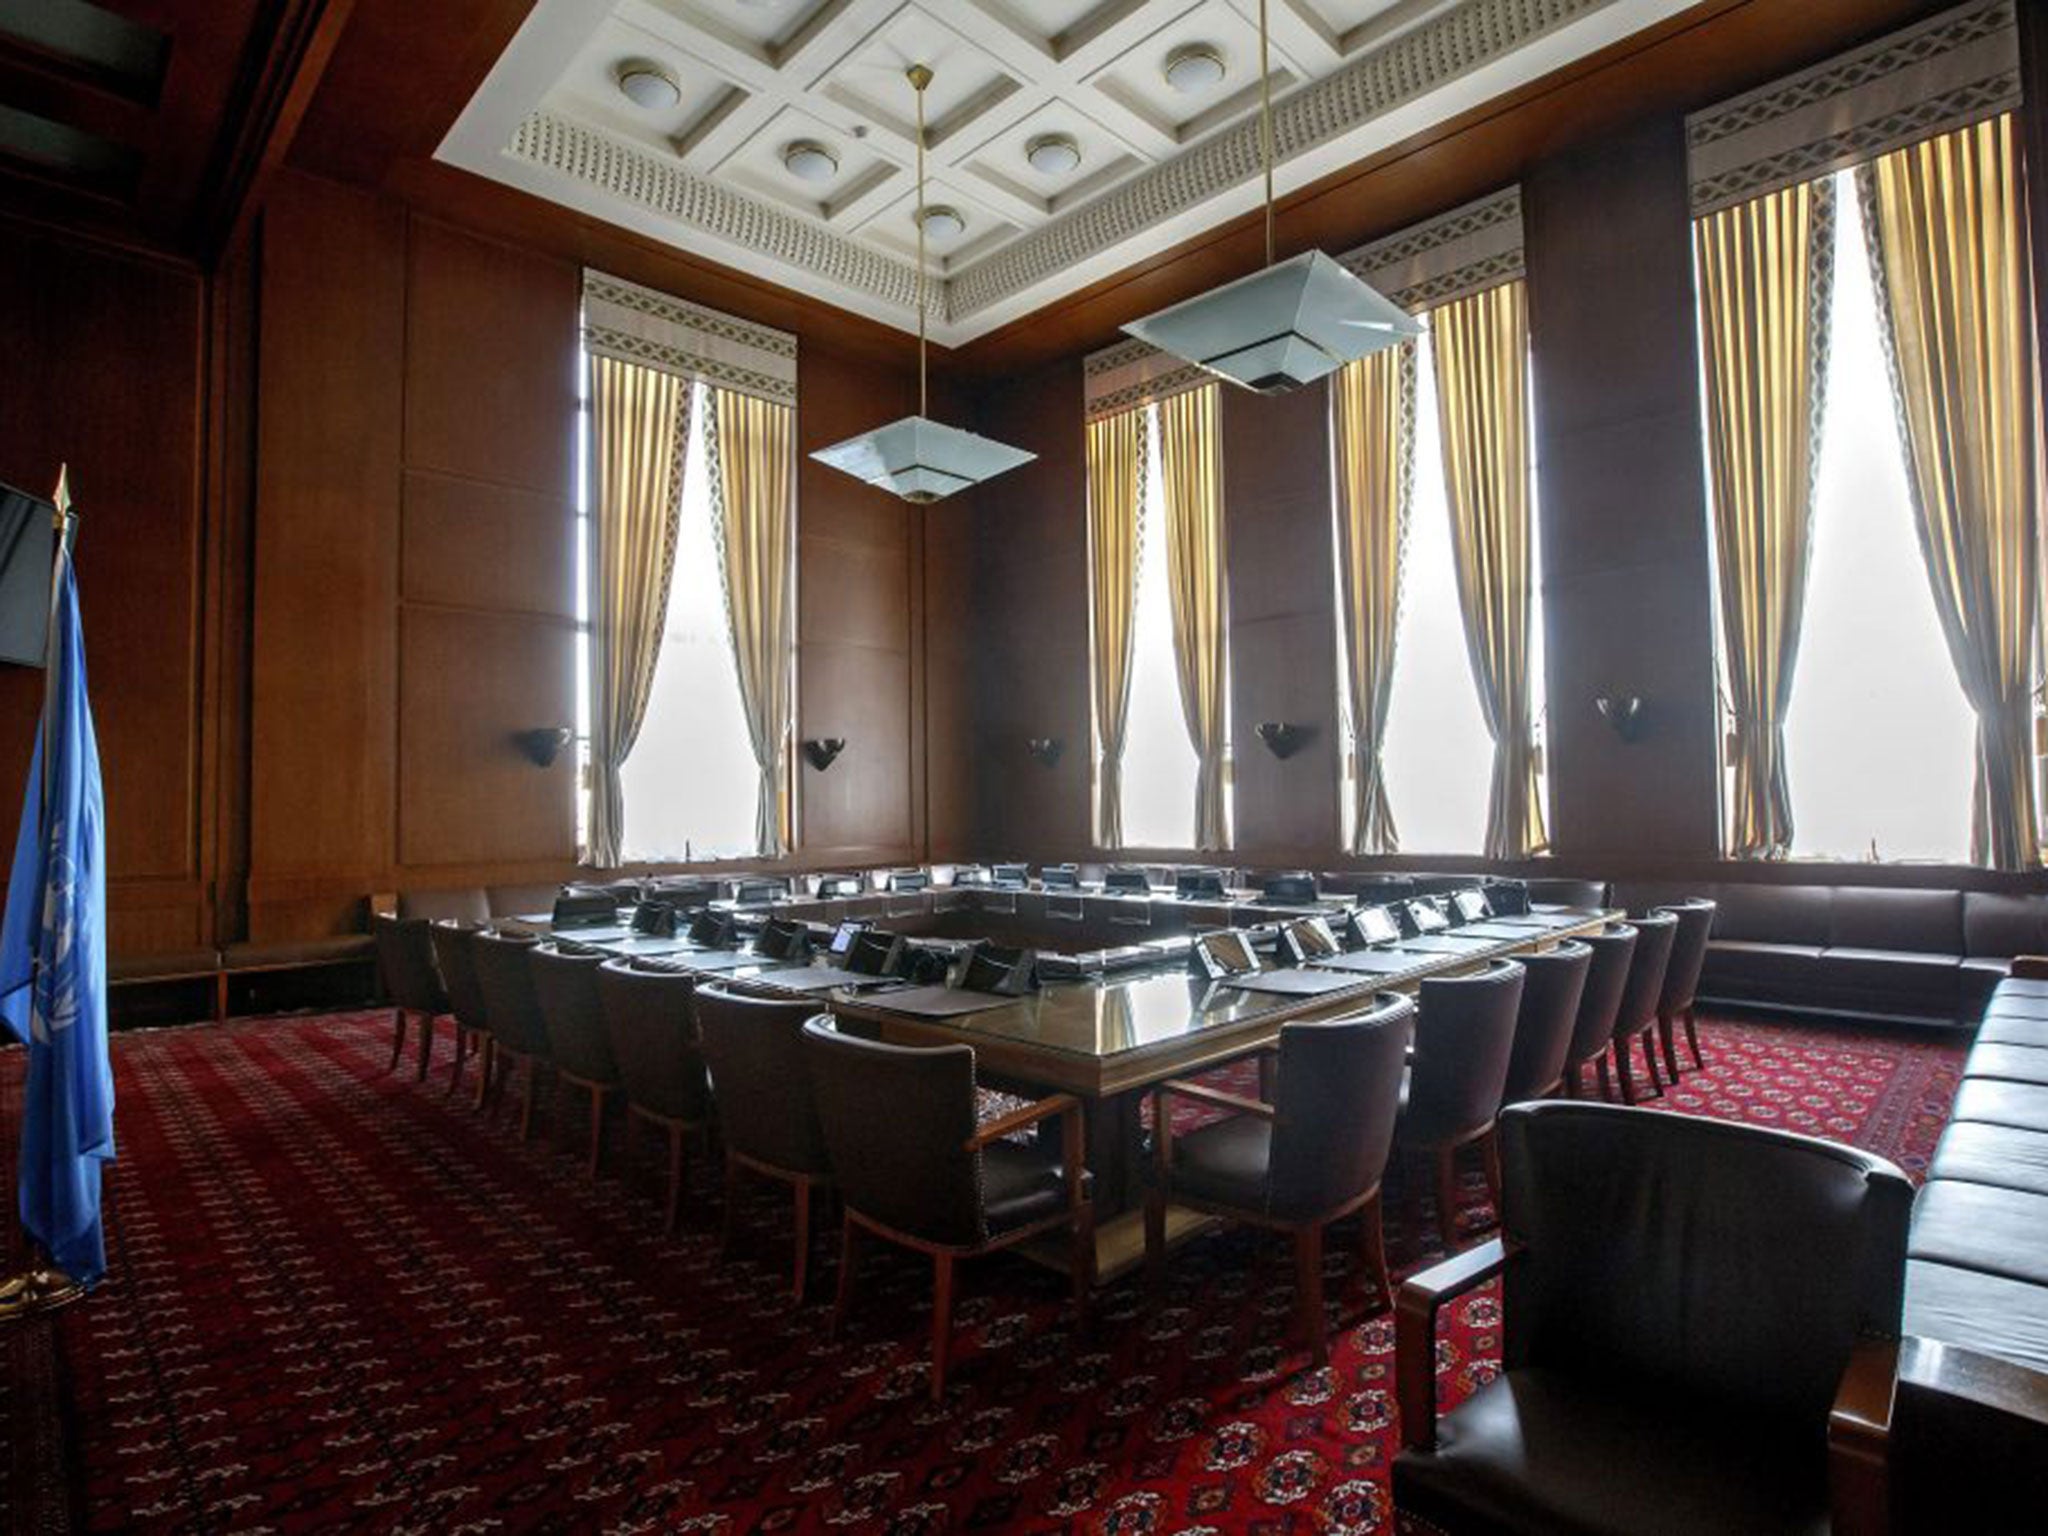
point(168, 965)
point(2001, 1156)
point(2013, 1029)
point(2008, 1063)
point(338, 950)
point(2017, 1104)
point(2008, 1005)
point(1757, 969)
point(1982, 1227)
point(1892, 980)
point(1988, 1313)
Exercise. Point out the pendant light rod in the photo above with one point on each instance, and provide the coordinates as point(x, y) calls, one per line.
point(1265, 126)
point(920, 77)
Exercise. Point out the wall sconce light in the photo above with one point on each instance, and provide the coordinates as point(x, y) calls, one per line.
point(1623, 711)
point(1046, 749)
point(823, 751)
point(1282, 739)
point(544, 743)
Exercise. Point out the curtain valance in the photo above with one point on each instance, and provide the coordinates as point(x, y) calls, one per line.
point(638, 325)
point(1947, 72)
point(1452, 256)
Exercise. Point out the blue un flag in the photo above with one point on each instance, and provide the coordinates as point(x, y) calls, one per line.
point(53, 963)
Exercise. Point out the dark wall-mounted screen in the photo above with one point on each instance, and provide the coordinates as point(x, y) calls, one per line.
point(27, 541)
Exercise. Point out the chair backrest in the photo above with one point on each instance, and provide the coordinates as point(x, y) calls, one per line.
point(504, 972)
point(1338, 1097)
point(565, 982)
point(405, 959)
point(650, 1017)
point(455, 956)
point(1552, 989)
point(897, 1121)
point(1688, 952)
point(1655, 935)
point(754, 1049)
point(1464, 1034)
point(1717, 1263)
point(1614, 951)
point(1556, 891)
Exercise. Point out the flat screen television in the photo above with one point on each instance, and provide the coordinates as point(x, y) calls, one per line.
point(27, 542)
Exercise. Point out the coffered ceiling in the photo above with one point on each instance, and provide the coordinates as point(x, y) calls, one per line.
point(736, 84)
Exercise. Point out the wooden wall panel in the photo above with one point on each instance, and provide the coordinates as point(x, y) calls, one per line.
point(324, 677)
point(477, 545)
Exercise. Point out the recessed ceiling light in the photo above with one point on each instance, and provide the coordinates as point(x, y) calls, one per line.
point(1053, 154)
point(808, 160)
point(943, 223)
point(648, 85)
point(1194, 67)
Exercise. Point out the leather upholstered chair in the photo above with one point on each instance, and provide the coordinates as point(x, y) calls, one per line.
point(519, 1036)
point(1682, 979)
point(1464, 1037)
point(1636, 1019)
point(753, 1046)
point(1312, 1156)
point(1555, 891)
point(1554, 983)
point(405, 960)
point(1614, 949)
point(565, 981)
point(912, 1166)
point(1653, 1381)
point(650, 1018)
point(455, 958)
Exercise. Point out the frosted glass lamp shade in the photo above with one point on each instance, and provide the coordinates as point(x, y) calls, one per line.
point(922, 460)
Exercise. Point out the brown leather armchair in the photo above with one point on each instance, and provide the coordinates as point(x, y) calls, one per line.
point(753, 1046)
point(1614, 949)
point(1682, 979)
point(1464, 1035)
point(565, 982)
point(1636, 1019)
point(455, 957)
point(1700, 1327)
point(1312, 1156)
point(1553, 985)
point(519, 1037)
point(913, 1166)
point(405, 960)
point(651, 1020)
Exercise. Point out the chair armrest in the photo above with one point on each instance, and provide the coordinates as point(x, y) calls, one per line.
point(1017, 1119)
point(1421, 1298)
point(1984, 1380)
point(2030, 967)
point(1859, 1434)
point(1218, 1098)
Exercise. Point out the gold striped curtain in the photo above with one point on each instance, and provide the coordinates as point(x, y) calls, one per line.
point(754, 516)
point(1373, 427)
point(640, 425)
point(1191, 477)
point(1946, 220)
point(1766, 273)
point(1116, 489)
point(1482, 362)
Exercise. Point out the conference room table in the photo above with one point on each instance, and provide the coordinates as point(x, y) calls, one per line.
point(1108, 1040)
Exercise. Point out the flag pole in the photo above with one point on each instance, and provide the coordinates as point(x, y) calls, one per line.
point(40, 1287)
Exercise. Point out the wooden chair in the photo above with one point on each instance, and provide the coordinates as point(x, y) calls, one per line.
point(1652, 1380)
point(753, 1046)
point(519, 1036)
point(1682, 978)
point(914, 1168)
point(1635, 1021)
point(650, 1018)
point(455, 957)
point(565, 982)
point(405, 961)
point(1464, 1035)
point(1312, 1156)
point(1553, 986)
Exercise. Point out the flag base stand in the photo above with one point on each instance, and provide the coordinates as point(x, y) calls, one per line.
point(36, 1291)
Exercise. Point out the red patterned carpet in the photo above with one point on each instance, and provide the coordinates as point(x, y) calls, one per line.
point(339, 1300)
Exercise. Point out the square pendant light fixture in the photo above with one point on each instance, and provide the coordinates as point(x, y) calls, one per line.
point(1287, 324)
point(919, 459)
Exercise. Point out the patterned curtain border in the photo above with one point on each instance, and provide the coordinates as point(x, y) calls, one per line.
point(640, 325)
point(1451, 256)
point(1134, 373)
point(1941, 74)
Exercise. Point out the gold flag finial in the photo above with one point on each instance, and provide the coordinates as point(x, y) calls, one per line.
point(62, 497)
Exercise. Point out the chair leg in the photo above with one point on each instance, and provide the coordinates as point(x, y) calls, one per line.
point(1623, 1070)
point(1447, 1197)
point(849, 1260)
point(1308, 1292)
point(678, 1165)
point(1692, 1037)
point(486, 1066)
point(803, 1240)
point(1155, 1242)
point(942, 1321)
point(426, 1047)
point(1373, 1249)
point(1604, 1084)
point(1649, 1040)
point(461, 1055)
point(1489, 1153)
point(597, 1102)
point(1083, 1262)
point(1666, 1039)
point(397, 1038)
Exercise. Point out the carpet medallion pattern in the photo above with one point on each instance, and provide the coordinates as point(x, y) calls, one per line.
point(341, 1300)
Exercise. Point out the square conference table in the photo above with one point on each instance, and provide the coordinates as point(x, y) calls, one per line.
point(1109, 1039)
